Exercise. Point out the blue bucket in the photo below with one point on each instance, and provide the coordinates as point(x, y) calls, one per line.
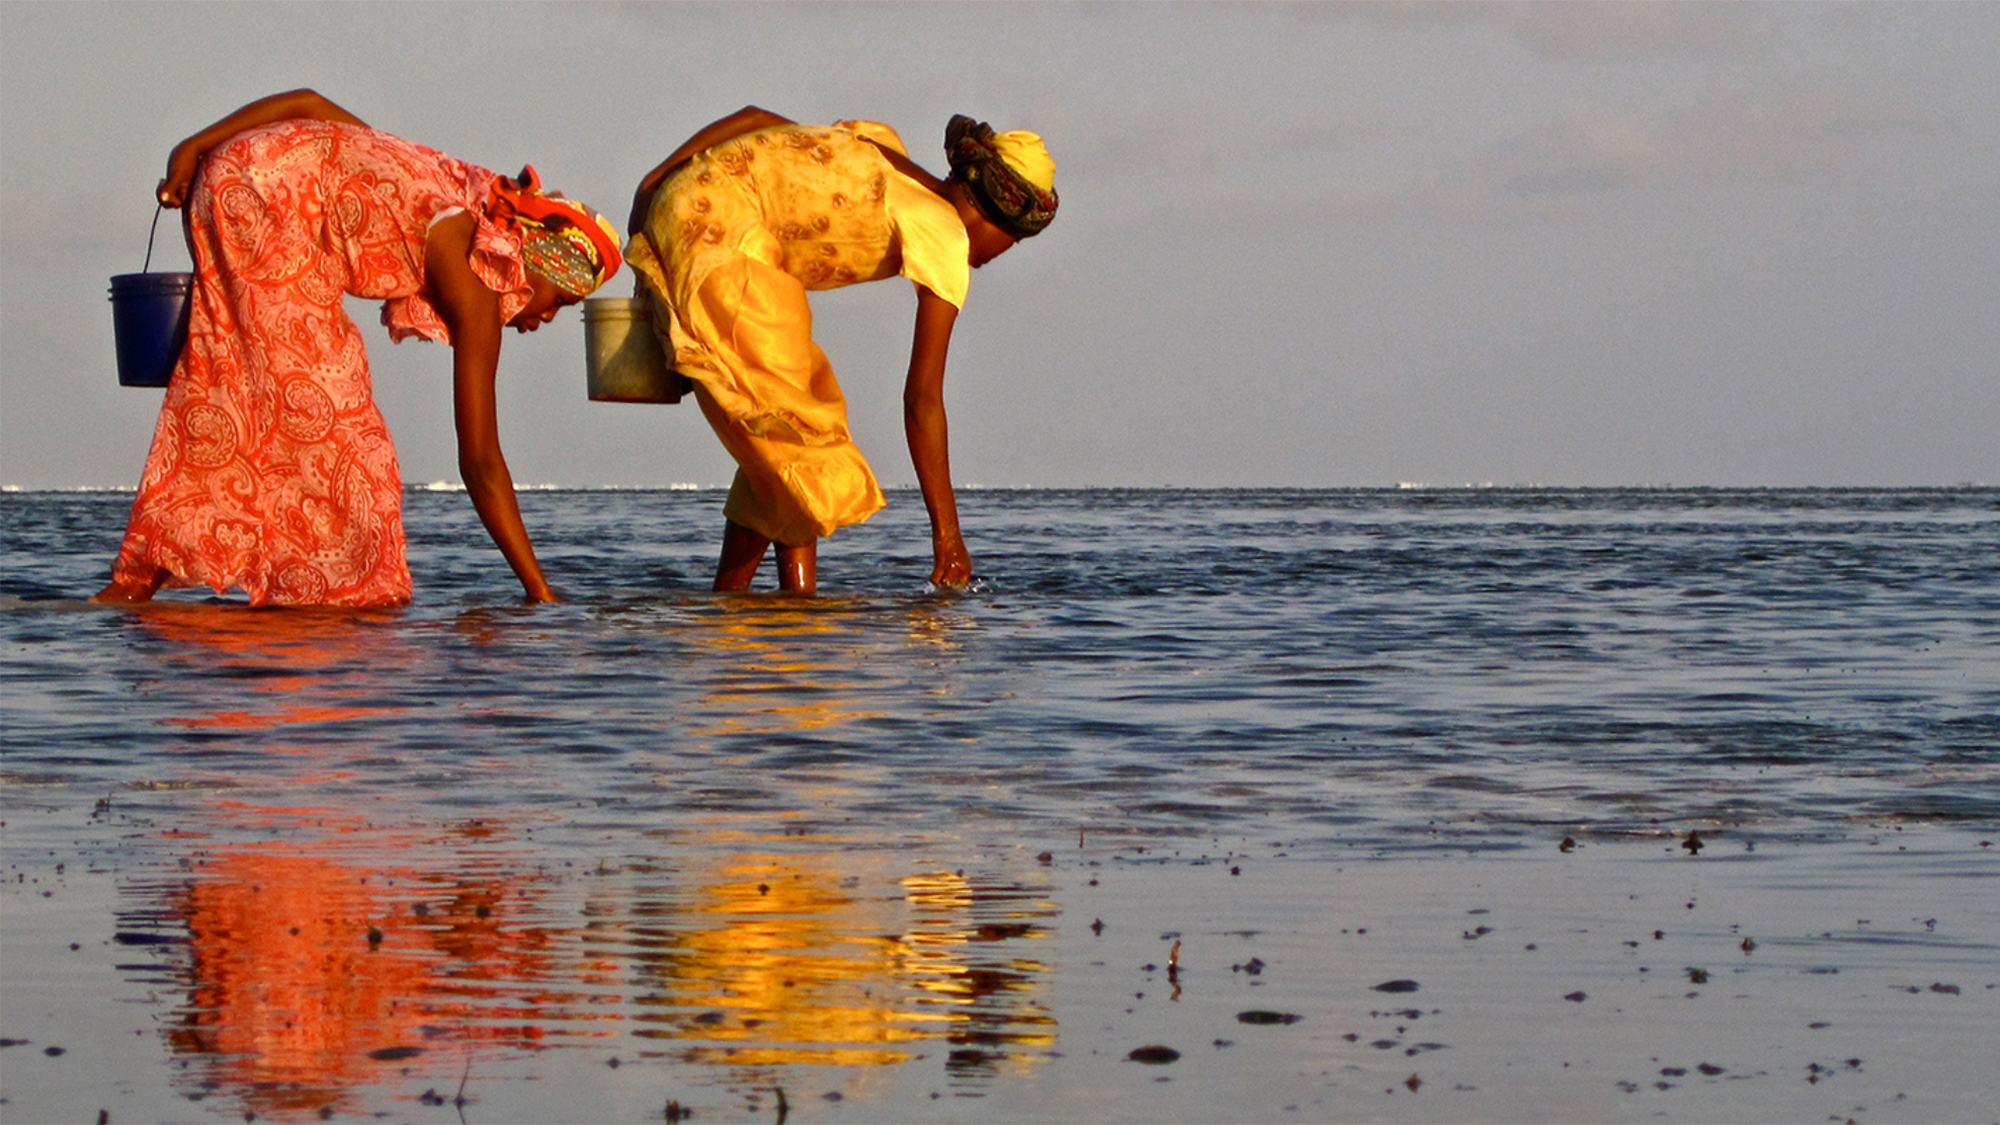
point(149, 314)
point(149, 317)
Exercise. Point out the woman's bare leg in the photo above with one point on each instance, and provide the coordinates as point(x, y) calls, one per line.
point(742, 553)
point(798, 568)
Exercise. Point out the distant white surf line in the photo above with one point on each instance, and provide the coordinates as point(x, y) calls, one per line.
point(676, 486)
point(433, 486)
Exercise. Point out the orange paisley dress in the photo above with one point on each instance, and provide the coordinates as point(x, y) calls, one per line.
point(271, 470)
point(741, 234)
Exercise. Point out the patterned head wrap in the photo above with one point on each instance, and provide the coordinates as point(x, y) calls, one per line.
point(575, 248)
point(1002, 171)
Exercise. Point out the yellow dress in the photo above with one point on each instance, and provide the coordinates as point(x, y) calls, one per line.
point(732, 243)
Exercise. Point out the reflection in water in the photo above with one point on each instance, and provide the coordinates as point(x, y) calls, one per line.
point(338, 958)
point(286, 667)
point(335, 949)
point(314, 967)
point(809, 949)
point(286, 998)
point(786, 959)
point(781, 666)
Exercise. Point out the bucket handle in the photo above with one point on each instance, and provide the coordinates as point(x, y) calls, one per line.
point(148, 267)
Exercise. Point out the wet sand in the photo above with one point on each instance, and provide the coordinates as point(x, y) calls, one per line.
point(300, 964)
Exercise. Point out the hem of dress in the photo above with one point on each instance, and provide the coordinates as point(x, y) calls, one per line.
point(224, 585)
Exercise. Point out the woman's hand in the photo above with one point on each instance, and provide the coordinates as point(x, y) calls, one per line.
point(953, 568)
point(179, 180)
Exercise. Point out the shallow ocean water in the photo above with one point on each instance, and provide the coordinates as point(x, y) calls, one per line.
point(909, 855)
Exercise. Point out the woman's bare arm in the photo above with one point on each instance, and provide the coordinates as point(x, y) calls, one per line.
point(292, 105)
point(909, 167)
point(924, 424)
point(749, 119)
point(472, 312)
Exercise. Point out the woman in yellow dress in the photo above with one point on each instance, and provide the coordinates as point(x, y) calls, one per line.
point(732, 229)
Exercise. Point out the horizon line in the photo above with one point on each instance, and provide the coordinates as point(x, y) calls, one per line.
point(1398, 486)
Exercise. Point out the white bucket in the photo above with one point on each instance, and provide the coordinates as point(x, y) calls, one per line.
point(622, 356)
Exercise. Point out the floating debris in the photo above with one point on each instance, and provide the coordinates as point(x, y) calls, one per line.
point(1397, 986)
point(1264, 1016)
point(1692, 843)
point(1154, 1055)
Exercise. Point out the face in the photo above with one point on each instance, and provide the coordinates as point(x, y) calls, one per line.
point(987, 241)
point(544, 301)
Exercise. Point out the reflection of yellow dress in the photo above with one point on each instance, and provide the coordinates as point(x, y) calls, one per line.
point(741, 233)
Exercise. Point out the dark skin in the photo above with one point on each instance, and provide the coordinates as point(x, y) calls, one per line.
point(924, 423)
point(469, 310)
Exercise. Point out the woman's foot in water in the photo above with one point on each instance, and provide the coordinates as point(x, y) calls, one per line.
point(131, 593)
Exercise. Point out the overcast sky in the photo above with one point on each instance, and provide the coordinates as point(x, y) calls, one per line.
point(1298, 245)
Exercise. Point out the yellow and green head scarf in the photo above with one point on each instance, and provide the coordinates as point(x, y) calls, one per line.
point(1012, 177)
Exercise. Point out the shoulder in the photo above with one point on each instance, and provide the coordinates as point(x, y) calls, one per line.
point(931, 236)
point(874, 131)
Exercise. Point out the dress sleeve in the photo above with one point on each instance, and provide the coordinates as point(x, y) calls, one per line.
point(495, 259)
point(932, 238)
point(928, 230)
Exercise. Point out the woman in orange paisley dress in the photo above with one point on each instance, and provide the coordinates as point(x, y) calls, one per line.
point(732, 229)
point(271, 470)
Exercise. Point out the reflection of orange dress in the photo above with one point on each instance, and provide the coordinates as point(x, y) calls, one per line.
point(271, 468)
point(742, 232)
